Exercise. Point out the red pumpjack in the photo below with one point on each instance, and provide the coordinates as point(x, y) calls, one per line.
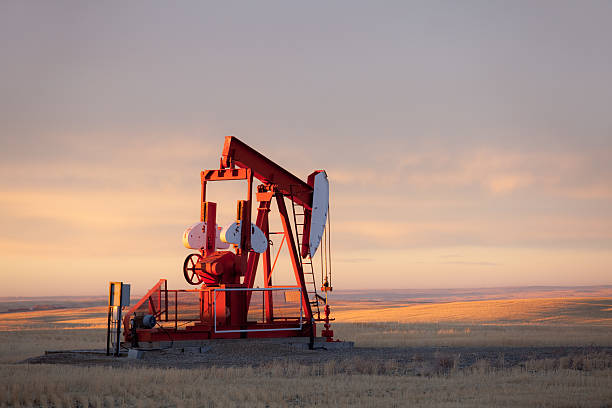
point(227, 305)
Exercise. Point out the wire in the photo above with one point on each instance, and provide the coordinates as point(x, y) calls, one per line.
point(186, 323)
point(329, 244)
point(322, 267)
point(325, 249)
point(167, 334)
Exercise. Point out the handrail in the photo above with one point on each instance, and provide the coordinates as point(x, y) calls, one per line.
point(131, 310)
point(163, 296)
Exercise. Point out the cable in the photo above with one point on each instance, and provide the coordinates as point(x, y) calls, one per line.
point(325, 249)
point(167, 334)
point(329, 244)
point(271, 246)
point(322, 267)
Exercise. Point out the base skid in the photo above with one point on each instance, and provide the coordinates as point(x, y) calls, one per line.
point(207, 332)
point(205, 345)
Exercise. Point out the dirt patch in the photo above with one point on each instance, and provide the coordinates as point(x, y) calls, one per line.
point(381, 360)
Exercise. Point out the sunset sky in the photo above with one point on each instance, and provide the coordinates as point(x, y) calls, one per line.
point(468, 144)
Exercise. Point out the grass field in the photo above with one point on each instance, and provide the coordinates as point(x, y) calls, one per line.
point(581, 379)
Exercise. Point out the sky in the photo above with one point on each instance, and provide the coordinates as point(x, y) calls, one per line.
point(467, 144)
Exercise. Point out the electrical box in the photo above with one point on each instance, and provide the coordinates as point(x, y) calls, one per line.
point(119, 294)
point(118, 298)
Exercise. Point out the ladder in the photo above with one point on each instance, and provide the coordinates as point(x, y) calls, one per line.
point(309, 276)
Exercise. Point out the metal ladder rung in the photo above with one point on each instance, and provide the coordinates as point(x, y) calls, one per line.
point(298, 236)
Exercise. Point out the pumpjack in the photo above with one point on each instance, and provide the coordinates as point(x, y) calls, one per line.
point(223, 267)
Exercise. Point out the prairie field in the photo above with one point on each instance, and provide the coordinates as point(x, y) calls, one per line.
point(514, 352)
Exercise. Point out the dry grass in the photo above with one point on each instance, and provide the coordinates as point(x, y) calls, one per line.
point(286, 384)
point(571, 381)
point(18, 345)
point(584, 380)
point(472, 335)
point(561, 311)
point(74, 318)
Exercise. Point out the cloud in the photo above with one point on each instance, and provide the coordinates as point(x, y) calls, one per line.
point(112, 161)
point(488, 170)
point(506, 183)
point(510, 231)
point(422, 268)
point(355, 260)
point(134, 199)
point(596, 191)
point(476, 263)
